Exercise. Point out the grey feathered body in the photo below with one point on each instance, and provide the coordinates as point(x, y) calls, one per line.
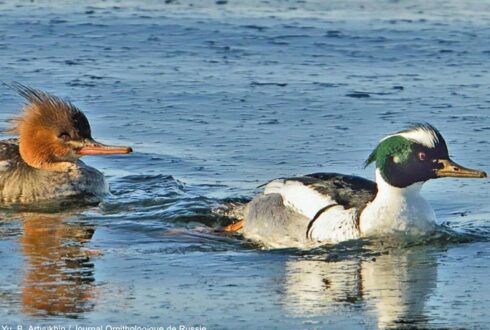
point(23, 184)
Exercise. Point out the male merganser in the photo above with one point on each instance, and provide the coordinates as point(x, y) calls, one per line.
point(43, 163)
point(331, 208)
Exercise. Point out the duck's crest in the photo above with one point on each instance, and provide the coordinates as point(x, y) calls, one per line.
point(422, 133)
point(44, 107)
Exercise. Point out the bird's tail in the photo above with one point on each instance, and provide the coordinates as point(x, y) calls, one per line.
point(233, 209)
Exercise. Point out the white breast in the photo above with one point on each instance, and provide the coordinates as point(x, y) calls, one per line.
point(397, 210)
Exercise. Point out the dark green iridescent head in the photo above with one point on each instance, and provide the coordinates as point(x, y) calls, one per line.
point(416, 154)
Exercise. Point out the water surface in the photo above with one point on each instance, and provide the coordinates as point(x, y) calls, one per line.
point(218, 97)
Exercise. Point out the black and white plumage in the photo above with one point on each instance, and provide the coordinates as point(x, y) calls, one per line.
point(331, 208)
point(294, 209)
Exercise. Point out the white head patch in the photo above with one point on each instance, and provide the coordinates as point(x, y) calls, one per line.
point(423, 135)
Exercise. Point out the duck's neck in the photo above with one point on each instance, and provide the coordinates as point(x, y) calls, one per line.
point(397, 210)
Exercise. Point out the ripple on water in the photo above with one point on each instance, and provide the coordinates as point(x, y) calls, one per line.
point(225, 98)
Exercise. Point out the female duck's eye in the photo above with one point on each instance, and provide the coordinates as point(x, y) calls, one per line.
point(422, 156)
point(65, 136)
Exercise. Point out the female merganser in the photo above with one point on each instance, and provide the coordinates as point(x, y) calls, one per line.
point(43, 163)
point(331, 208)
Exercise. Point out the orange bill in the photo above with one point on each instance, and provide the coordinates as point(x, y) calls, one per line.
point(95, 148)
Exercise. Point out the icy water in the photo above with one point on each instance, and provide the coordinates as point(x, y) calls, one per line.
point(217, 97)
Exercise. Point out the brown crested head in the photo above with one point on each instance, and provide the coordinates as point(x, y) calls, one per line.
point(53, 133)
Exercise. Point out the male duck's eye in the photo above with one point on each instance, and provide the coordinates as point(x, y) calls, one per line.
point(422, 156)
point(65, 136)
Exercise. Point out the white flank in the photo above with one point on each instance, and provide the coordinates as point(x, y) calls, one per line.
point(335, 225)
point(301, 198)
point(422, 135)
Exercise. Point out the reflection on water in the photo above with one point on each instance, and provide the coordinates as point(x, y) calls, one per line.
point(59, 275)
point(395, 286)
point(224, 98)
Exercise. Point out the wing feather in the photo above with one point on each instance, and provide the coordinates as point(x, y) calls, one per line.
point(310, 193)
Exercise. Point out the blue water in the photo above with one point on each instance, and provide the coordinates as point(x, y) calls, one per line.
point(217, 97)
